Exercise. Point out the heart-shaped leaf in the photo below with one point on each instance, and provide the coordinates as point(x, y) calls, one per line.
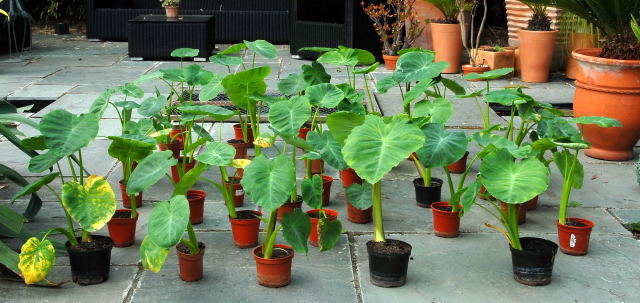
point(489, 75)
point(269, 183)
point(233, 49)
point(453, 86)
point(288, 116)
point(328, 147)
point(152, 256)
point(184, 52)
point(244, 84)
point(91, 205)
point(131, 90)
point(510, 181)
point(416, 66)
point(130, 148)
point(35, 186)
point(470, 193)
point(66, 133)
point(340, 57)
point(296, 228)
point(263, 48)
point(441, 147)
point(367, 69)
point(439, 110)
point(152, 105)
point(100, 104)
point(217, 154)
point(149, 171)
point(325, 95)
point(385, 84)
point(599, 121)
point(312, 191)
point(342, 123)
point(375, 147)
point(359, 195)
point(328, 233)
point(292, 85)
point(168, 221)
point(226, 60)
point(195, 74)
point(36, 259)
point(507, 97)
point(212, 89)
point(315, 74)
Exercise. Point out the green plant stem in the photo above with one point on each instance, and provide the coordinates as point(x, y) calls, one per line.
point(308, 169)
point(294, 193)
point(228, 196)
point(466, 172)
point(70, 236)
point(420, 169)
point(486, 109)
point(509, 131)
point(134, 205)
point(81, 167)
point(194, 249)
point(454, 206)
point(366, 86)
point(271, 241)
point(566, 189)
point(315, 115)
point(66, 214)
point(427, 180)
point(73, 170)
point(60, 171)
point(86, 236)
point(512, 226)
point(376, 195)
point(349, 76)
point(271, 226)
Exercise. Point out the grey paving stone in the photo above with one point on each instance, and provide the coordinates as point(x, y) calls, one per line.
point(626, 216)
point(79, 60)
point(40, 92)
point(95, 75)
point(478, 267)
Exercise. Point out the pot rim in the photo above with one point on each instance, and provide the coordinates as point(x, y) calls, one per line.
point(246, 221)
point(286, 259)
point(444, 212)
point(182, 255)
point(553, 31)
point(433, 179)
point(591, 55)
point(329, 212)
point(589, 224)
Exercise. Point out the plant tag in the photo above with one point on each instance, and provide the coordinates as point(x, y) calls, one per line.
point(572, 241)
point(239, 192)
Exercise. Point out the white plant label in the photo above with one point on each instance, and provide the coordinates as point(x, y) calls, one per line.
point(239, 192)
point(572, 241)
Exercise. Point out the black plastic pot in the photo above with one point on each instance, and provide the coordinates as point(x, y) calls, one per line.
point(61, 28)
point(90, 266)
point(388, 270)
point(427, 195)
point(533, 264)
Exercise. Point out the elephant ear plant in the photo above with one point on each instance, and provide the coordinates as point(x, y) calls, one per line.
point(88, 200)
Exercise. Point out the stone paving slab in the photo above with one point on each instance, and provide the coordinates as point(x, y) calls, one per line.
point(229, 276)
point(478, 268)
point(40, 92)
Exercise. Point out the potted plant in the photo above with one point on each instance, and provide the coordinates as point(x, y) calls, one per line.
point(497, 57)
point(537, 42)
point(474, 66)
point(446, 33)
point(577, 33)
point(607, 85)
point(171, 7)
point(397, 26)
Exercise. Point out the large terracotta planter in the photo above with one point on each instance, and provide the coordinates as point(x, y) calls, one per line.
point(574, 239)
point(496, 59)
point(536, 54)
point(519, 14)
point(447, 43)
point(274, 272)
point(577, 41)
point(608, 88)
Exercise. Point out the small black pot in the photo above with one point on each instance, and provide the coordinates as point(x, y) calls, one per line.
point(533, 264)
point(388, 270)
point(91, 266)
point(61, 28)
point(427, 195)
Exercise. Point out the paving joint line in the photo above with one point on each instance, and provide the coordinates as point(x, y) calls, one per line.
point(354, 268)
point(134, 285)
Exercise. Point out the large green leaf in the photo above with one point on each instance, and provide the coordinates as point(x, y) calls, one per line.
point(328, 233)
point(100, 104)
point(359, 195)
point(366, 69)
point(244, 84)
point(152, 105)
point(11, 220)
point(269, 182)
point(36, 259)
point(150, 170)
point(347, 56)
point(470, 194)
point(91, 205)
point(328, 147)
point(489, 75)
point(440, 110)
point(168, 221)
point(130, 148)
point(215, 112)
point(315, 74)
point(507, 97)
point(225, 60)
point(510, 181)
point(563, 160)
point(195, 74)
point(292, 85)
point(152, 256)
point(233, 49)
point(43, 162)
point(296, 228)
point(342, 123)
point(441, 147)
point(599, 121)
point(375, 147)
point(131, 90)
point(325, 95)
point(35, 186)
point(66, 133)
point(189, 179)
point(217, 154)
point(288, 116)
point(416, 66)
point(184, 52)
point(312, 191)
point(263, 48)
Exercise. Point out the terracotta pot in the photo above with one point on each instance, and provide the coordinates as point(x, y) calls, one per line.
point(390, 61)
point(122, 230)
point(468, 69)
point(196, 205)
point(447, 43)
point(241, 148)
point(246, 231)
point(288, 207)
point(237, 131)
point(574, 240)
point(349, 176)
point(274, 272)
point(304, 130)
point(238, 192)
point(519, 14)
point(171, 11)
point(177, 134)
point(532, 204)
point(314, 235)
point(185, 168)
point(317, 166)
point(126, 202)
point(459, 166)
point(608, 88)
point(483, 194)
point(446, 224)
point(496, 59)
point(358, 216)
point(577, 41)
point(536, 54)
point(175, 147)
point(521, 211)
point(326, 189)
point(191, 265)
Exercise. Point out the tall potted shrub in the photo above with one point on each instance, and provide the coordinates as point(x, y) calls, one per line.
point(607, 86)
point(537, 42)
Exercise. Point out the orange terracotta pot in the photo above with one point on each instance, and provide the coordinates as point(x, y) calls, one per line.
point(241, 148)
point(390, 61)
point(126, 201)
point(349, 176)
point(181, 167)
point(447, 43)
point(577, 41)
point(358, 216)
point(468, 69)
point(532, 204)
point(237, 132)
point(521, 211)
point(274, 272)
point(122, 230)
point(238, 192)
point(536, 54)
point(246, 231)
point(288, 207)
point(574, 240)
point(191, 266)
point(175, 147)
point(459, 166)
point(446, 224)
point(196, 205)
point(172, 11)
point(314, 235)
point(317, 166)
point(608, 88)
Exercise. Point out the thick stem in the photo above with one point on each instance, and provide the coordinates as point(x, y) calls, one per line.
point(566, 188)
point(66, 214)
point(376, 192)
point(454, 206)
point(228, 192)
point(294, 193)
point(427, 177)
point(420, 169)
point(86, 236)
point(512, 224)
point(194, 249)
point(270, 244)
point(271, 226)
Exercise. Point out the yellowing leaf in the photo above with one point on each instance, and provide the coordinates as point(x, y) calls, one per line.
point(152, 255)
point(91, 205)
point(36, 260)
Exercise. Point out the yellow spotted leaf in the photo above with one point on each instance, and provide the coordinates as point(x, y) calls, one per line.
point(91, 205)
point(36, 259)
point(152, 255)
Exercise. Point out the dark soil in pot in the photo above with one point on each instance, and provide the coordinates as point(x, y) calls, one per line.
point(533, 265)
point(388, 262)
point(427, 195)
point(190, 265)
point(90, 261)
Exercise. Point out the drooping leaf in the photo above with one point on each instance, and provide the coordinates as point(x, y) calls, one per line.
point(328, 147)
point(195, 74)
point(292, 85)
point(359, 195)
point(470, 194)
point(342, 123)
point(217, 154)
point(168, 221)
point(91, 205)
point(441, 147)
point(66, 133)
point(35, 186)
point(312, 191)
point(439, 110)
point(130, 148)
point(150, 170)
point(367, 69)
point(269, 182)
point(263, 48)
point(184, 52)
point(36, 259)
point(417, 91)
point(152, 256)
point(296, 228)
point(288, 116)
point(453, 86)
point(316, 49)
point(324, 95)
point(507, 97)
point(328, 233)
point(364, 56)
point(375, 147)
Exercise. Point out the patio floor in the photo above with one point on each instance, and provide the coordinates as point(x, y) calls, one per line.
point(70, 72)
